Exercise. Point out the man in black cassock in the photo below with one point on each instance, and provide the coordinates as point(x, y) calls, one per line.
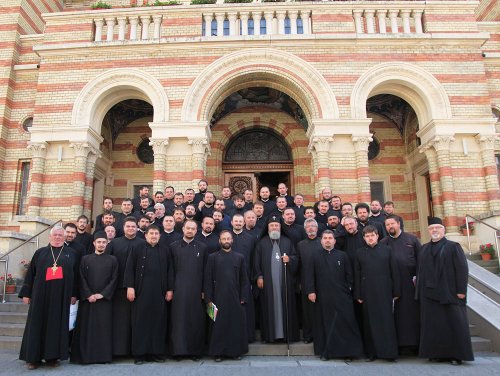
point(189, 258)
point(93, 337)
point(290, 229)
point(122, 308)
point(244, 244)
point(148, 277)
point(274, 253)
point(207, 235)
point(376, 286)
point(328, 285)
point(405, 249)
point(226, 286)
point(169, 235)
point(442, 290)
point(49, 288)
point(305, 250)
point(82, 236)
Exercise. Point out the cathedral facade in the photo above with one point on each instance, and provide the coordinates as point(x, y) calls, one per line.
point(394, 100)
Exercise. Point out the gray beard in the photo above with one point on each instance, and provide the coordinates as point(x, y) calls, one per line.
point(274, 235)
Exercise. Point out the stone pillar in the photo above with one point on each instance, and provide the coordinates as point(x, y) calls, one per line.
point(208, 24)
point(442, 146)
point(292, 15)
point(417, 17)
point(487, 147)
point(314, 169)
point(361, 144)
point(269, 16)
point(160, 164)
point(437, 196)
point(200, 150)
point(145, 21)
point(244, 23)
point(133, 27)
point(306, 25)
point(220, 17)
point(321, 145)
point(81, 150)
point(257, 16)
point(281, 15)
point(393, 16)
point(382, 27)
point(370, 21)
point(89, 181)
point(110, 26)
point(405, 14)
point(39, 152)
point(358, 21)
point(232, 24)
point(98, 30)
point(157, 27)
point(122, 24)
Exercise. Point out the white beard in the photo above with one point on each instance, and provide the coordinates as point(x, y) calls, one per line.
point(274, 235)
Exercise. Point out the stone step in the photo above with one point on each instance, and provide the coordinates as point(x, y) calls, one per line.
point(486, 263)
point(481, 344)
point(280, 349)
point(10, 343)
point(473, 330)
point(13, 317)
point(11, 330)
point(14, 307)
point(11, 298)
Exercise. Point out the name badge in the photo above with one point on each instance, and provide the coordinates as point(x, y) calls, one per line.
point(54, 273)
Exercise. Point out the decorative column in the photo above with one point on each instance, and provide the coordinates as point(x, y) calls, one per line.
point(314, 169)
point(220, 24)
point(244, 23)
point(157, 27)
point(292, 15)
point(306, 25)
point(417, 17)
point(160, 163)
point(200, 151)
point(361, 144)
point(382, 27)
point(393, 16)
point(208, 24)
point(89, 181)
point(487, 147)
point(232, 24)
point(122, 24)
point(281, 15)
point(134, 21)
point(39, 153)
point(145, 21)
point(321, 145)
point(405, 14)
point(442, 146)
point(98, 29)
point(370, 21)
point(110, 26)
point(81, 150)
point(256, 22)
point(269, 22)
point(437, 194)
point(358, 21)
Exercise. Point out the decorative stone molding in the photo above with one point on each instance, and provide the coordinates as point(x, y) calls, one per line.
point(199, 145)
point(159, 146)
point(320, 144)
point(487, 142)
point(285, 71)
point(361, 143)
point(38, 149)
point(442, 143)
point(412, 83)
point(81, 149)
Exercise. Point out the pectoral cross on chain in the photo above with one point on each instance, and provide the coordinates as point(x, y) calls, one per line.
point(54, 269)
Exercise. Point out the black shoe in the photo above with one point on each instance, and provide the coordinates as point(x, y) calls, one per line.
point(195, 358)
point(455, 362)
point(324, 358)
point(139, 361)
point(218, 359)
point(370, 359)
point(308, 340)
point(392, 360)
point(157, 359)
point(32, 366)
point(348, 360)
point(237, 358)
point(52, 363)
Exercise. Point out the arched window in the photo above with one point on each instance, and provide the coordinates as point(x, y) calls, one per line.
point(257, 146)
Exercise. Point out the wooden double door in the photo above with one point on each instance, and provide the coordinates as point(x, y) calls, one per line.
point(241, 181)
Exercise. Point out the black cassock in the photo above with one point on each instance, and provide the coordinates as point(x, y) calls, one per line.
point(376, 282)
point(93, 336)
point(148, 271)
point(226, 285)
point(211, 241)
point(405, 250)
point(46, 335)
point(443, 274)
point(265, 256)
point(305, 250)
point(336, 332)
point(122, 308)
point(188, 310)
point(168, 238)
point(244, 244)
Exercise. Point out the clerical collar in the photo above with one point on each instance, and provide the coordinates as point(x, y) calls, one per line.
point(372, 246)
point(397, 236)
point(187, 241)
point(376, 215)
point(130, 237)
point(282, 195)
point(205, 234)
point(264, 200)
point(329, 251)
point(315, 236)
point(208, 206)
point(126, 214)
point(237, 232)
point(99, 253)
point(168, 232)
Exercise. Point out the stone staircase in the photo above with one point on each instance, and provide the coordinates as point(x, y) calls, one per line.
point(491, 265)
point(13, 316)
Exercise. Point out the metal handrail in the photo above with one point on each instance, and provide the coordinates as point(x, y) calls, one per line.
point(5, 257)
point(497, 230)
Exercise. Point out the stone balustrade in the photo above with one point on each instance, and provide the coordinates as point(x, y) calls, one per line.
point(384, 21)
point(143, 27)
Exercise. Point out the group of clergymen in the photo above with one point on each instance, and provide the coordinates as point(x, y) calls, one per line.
point(146, 279)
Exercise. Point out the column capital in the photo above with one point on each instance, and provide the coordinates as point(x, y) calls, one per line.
point(81, 149)
point(159, 146)
point(320, 144)
point(199, 145)
point(442, 143)
point(381, 13)
point(361, 143)
point(38, 149)
point(487, 142)
point(94, 155)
